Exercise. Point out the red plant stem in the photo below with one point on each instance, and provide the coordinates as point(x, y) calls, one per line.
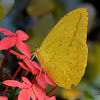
point(16, 72)
point(3, 63)
point(52, 91)
point(12, 79)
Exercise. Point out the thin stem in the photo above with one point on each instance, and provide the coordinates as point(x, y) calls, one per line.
point(12, 79)
point(3, 63)
point(16, 72)
point(52, 91)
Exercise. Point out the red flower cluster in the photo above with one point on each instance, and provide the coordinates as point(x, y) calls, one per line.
point(15, 39)
point(29, 89)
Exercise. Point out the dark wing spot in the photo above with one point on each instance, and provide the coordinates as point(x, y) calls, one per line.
point(67, 54)
point(60, 44)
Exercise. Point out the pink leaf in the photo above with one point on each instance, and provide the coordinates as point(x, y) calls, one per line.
point(23, 66)
point(36, 65)
point(23, 36)
point(29, 63)
point(21, 57)
point(31, 66)
point(39, 93)
point(32, 94)
point(49, 81)
point(7, 42)
point(50, 98)
point(35, 71)
point(25, 86)
point(6, 32)
point(26, 81)
point(24, 95)
point(3, 98)
point(41, 80)
point(13, 83)
point(24, 48)
point(14, 52)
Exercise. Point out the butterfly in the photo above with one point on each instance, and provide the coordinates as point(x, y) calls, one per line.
point(63, 53)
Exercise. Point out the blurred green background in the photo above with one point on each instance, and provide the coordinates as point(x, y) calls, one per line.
point(37, 18)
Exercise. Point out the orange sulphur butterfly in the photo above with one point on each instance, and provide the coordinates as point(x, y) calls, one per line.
point(63, 53)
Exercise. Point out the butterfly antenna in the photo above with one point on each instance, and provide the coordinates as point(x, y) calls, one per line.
point(32, 45)
point(33, 55)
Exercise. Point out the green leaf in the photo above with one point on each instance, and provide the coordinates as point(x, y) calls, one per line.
point(93, 61)
point(40, 7)
point(1, 13)
point(6, 6)
point(88, 96)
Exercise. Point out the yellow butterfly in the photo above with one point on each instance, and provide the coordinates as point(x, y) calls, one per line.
point(63, 53)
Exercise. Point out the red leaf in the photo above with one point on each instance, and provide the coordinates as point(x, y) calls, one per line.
point(23, 36)
point(29, 63)
point(21, 57)
point(24, 95)
point(32, 94)
point(35, 71)
point(14, 52)
point(24, 48)
point(25, 86)
point(39, 93)
point(41, 80)
point(7, 42)
point(14, 83)
point(36, 65)
point(3, 98)
point(6, 32)
point(50, 98)
point(26, 81)
point(31, 66)
point(23, 66)
point(49, 81)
